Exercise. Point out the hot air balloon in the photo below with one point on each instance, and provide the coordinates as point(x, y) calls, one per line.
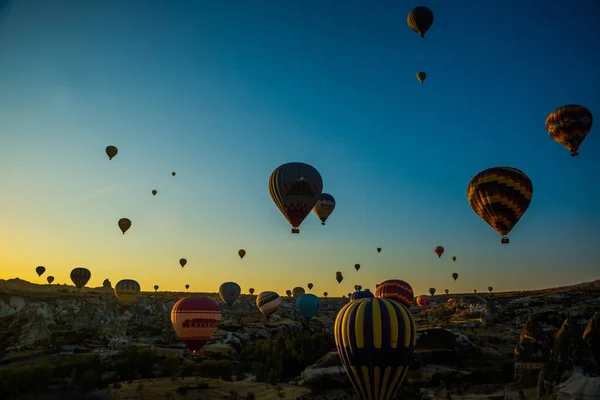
point(439, 250)
point(229, 292)
point(420, 19)
point(569, 125)
point(50, 279)
point(361, 294)
point(195, 320)
point(339, 278)
point(500, 196)
point(324, 207)
point(357, 266)
point(375, 339)
point(173, 173)
point(474, 290)
point(379, 249)
point(349, 294)
point(310, 286)
point(80, 277)
point(395, 289)
point(432, 291)
point(421, 76)
point(308, 305)
point(187, 287)
point(295, 189)
point(182, 262)
point(368, 290)
point(127, 291)
point(251, 291)
point(288, 293)
point(111, 151)
point(154, 192)
point(241, 253)
point(454, 275)
point(446, 291)
point(453, 258)
point(490, 289)
point(325, 294)
point(424, 301)
point(338, 273)
point(40, 270)
point(124, 224)
point(155, 288)
point(268, 303)
point(298, 291)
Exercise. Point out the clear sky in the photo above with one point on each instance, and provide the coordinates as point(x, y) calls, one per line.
point(223, 92)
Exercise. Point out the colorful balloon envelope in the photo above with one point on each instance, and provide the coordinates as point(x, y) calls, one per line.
point(241, 253)
point(195, 320)
point(324, 207)
point(50, 279)
point(569, 125)
point(420, 19)
point(361, 294)
point(124, 224)
point(375, 339)
point(308, 305)
point(439, 250)
point(268, 303)
point(424, 301)
point(230, 292)
point(126, 291)
point(40, 270)
point(295, 189)
point(111, 151)
point(395, 289)
point(298, 291)
point(80, 277)
point(500, 196)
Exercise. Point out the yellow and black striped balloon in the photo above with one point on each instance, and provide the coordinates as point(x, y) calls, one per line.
point(569, 125)
point(126, 291)
point(500, 196)
point(80, 277)
point(375, 339)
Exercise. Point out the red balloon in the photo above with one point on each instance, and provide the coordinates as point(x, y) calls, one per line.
point(195, 320)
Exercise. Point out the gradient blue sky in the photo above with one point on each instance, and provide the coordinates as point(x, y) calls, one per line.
point(223, 92)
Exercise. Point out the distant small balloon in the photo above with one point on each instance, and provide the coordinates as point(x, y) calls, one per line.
point(379, 249)
point(154, 192)
point(124, 224)
point(111, 151)
point(50, 279)
point(310, 286)
point(357, 266)
point(241, 253)
point(288, 293)
point(446, 291)
point(80, 277)
point(40, 270)
point(251, 291)
point(339, 278)
point(455, 276)
point(182, 262)
point(439, 250)
point(298, 291)
point(325, 294)
point(173, 173)
point(155, 288)
point(453, 258)
point(268, 303)
point(187, 287)
point(421, 76)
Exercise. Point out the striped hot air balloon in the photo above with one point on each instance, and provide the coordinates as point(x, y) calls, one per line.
point(395, 289)
point(324, 207)
point(361, 294)
point(424, 301)
point(126, 291)
point(80, 277)
point(375, 339)
point(195, 319)
point(268, 303)
point(298, 291)
point(500, 196)
point(569, 125)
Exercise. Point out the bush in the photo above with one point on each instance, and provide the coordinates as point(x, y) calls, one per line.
point(215, 369)
point(18, 380)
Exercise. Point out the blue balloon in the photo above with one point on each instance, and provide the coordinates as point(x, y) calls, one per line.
point(308, 304)
point(361, 294)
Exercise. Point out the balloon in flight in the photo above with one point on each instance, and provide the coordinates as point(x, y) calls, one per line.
point(230, 292)
point(195, 320)
point(339, 278)
point(475, 291)
point(124, 224)
point(432, 291)
point(80, 277)
point(308, 305)
point(569, 125)
point(187, 287)
point(155, 288)
point(40, 270)
point(325, 294)
point(288, 293)
point(182, 262)
point(454, 276)
point(173, 173)
point(446, 291)
point(310, 286)
point(379, 249)
point(439, 250)
point(357, 266)
point(453, 258)
point(500, 196)
point(490, 289)
point(375, 339)
point(361, 294)
point(251, 291)
point(324, 207)
point(424, 301)
point(154, 192)
point(295, 189)
point(268, 303)
point(50, 279)
point(241, 253)
point(126, 291)
point(111, 151)
point(298, 291)
point(420, 19)
point(421, 76)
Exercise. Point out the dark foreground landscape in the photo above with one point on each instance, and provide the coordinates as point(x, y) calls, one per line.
point(59, 343)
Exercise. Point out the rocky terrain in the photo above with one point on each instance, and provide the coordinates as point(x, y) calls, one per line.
point(517, 345)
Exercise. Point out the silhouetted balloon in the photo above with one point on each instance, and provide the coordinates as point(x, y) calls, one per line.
point(111, 151)
point(569, 125)
point(361, 294)
point(431, 291)
point(455, 276)
point(241, 253)
point(424, 301)
point(453, 258)
point(324, 207)
point(195, 320)
point(308, 305)
point(379, 249)
point(155, 288)
point(439, 250)
point(230, 292)
point(310, 286)
point(500, 196)
point(490, 289)
point(80, 277)
point(325, 294)
point(298, 291)
point(173, 173)
point(40, 270)
point(124, 224)
point(182, 262)
point(375, 339)
point(154, 192)
point(421, 76)
point(474, 290)
point(251, 291)
point(126, 291)
point(268, 303)
point(357, 266)
point(187, 287)
point(295, 189)
point(420, 19)
point(338, 273)
point(395, 289)
point(339, 278)
point(446, 291)
point(288, 293)
point(50, 279)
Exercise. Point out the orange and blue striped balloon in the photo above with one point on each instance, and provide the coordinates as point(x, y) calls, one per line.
point(396, 289)
point(375, 339)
